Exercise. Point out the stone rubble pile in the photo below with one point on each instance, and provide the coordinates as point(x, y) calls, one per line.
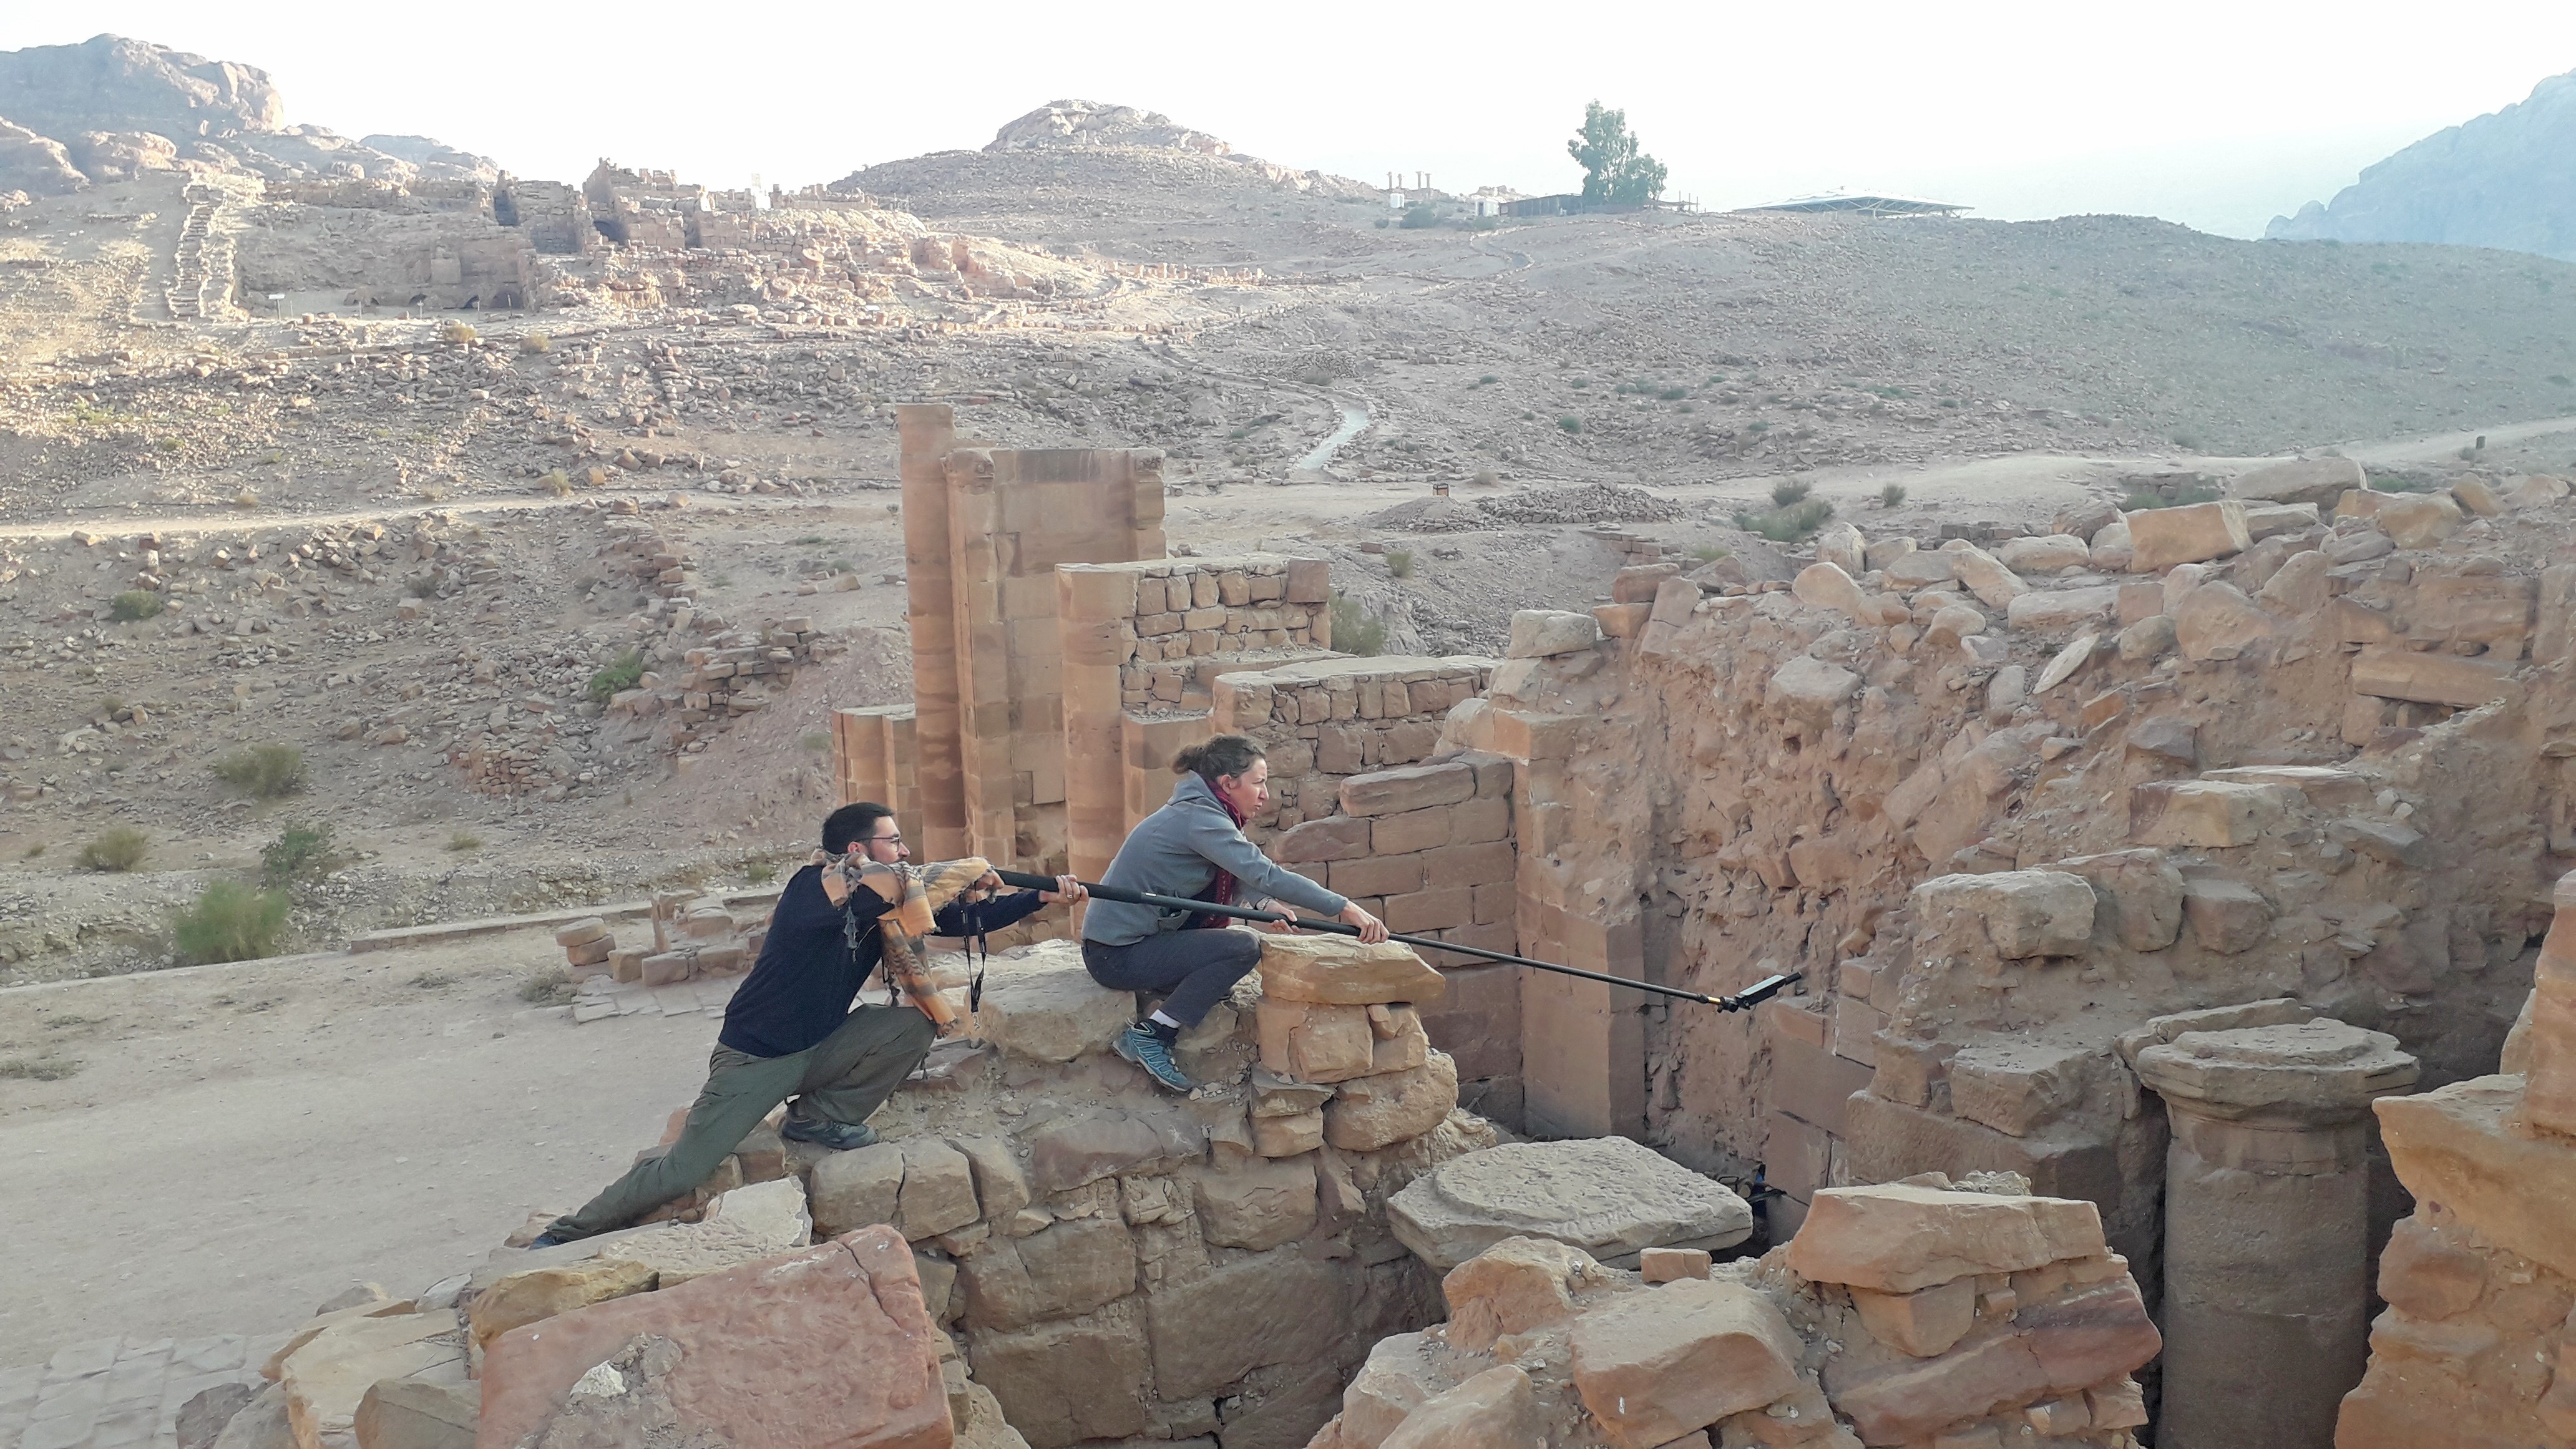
point(1918, 1313)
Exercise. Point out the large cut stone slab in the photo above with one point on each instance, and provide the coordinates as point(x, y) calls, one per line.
point(2429, 678)
point(2317, 482)
point(743, 1226)
point(1493, 1410)
point(1045, 1007)
point(1340, 971)
point(1384, 1108)
point(2461, 1147)
point(1893, 1238)
point(544, 1292)
point(327, 1378)
point(1654, 1366)
point(2022, 912)
point(830, 1346)
point(2058, 1347)
point(1606, 1195)
point(2163, 537)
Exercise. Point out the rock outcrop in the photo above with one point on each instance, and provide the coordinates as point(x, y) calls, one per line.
point(2502, 180)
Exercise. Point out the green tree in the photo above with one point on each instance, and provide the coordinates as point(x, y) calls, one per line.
point(1615, 172)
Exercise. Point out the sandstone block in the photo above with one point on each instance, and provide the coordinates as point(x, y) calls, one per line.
point(1413, 830)
point(2269, 522)
point(2430, 678)
point(1256, 1204)
point(1637, 583)
point(938, 1191)
point(1541, 633)
point(1045, 1007)
point(2216, 621)
point(1309, 580)
point(2023, 913)
point(328, 1377)
point(1623, 621)
point(1994, 585)
point(417, 1414)
point(2163, 537)
point(1336, 837)
point(1401, 1045)
point(1917, 568)
point(525, 1297)
point(1292, 1135)
point(2418, 520)
point(1312, 1042)
point(1000, 1186)
point(741, 1226)
point(2300, 586)
point(1952, 623)
point(857, 1189)
point(2016, 1087)
point(1370, 1112)
point(2137, 895)
point(1893, 1238)
point(1340, 971)
point(2112, 550)
point(1654, 1366)
point(2204, 813)
point(1840, 544)
point(1609, 1196)
point(1071, 1267)
point(1812, 687)
point(1065, 1382)
point(1828, 586)
point(1414, 787)
point(1922, 1323)
point(2317, 482)
point(1493, 1410)
point(2053, 612)
point(2053, 1350)
point(1671, 1265)
point(1071, 1151)
point(1514, 1286)
point(2226, 916)
point(1278, 1307)
point(2045, 554)
point(589, 928)
point(1419, 912)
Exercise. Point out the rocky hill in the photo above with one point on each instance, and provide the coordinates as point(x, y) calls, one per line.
point(2505, 180)
point(109, 108)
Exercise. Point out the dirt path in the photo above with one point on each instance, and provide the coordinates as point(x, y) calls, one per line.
point(240, 1143)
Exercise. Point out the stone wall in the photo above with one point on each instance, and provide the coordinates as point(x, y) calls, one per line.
point(1143, 644)
point(1329, 719)
point(2477, 1346)
point(984, 529)
point(2002, 808)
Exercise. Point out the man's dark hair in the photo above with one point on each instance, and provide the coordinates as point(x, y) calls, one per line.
point(851, 822)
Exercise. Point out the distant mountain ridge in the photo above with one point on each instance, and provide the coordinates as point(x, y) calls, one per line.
point(2506, 180)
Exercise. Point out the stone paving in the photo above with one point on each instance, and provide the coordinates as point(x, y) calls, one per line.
point(110, 1393)
point(601, 998)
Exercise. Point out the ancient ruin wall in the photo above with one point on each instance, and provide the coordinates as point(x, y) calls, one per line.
point(2000, 818)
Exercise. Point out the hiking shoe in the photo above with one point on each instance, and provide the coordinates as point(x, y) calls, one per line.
point(546, 1240)
point(838, 1136)
point(1140, 1045)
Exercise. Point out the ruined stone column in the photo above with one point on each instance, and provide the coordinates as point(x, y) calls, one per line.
point(1094, 608)
point(928, 432)
point(2267, 1227)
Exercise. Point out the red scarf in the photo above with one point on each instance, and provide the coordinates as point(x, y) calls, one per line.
point(1220, 891)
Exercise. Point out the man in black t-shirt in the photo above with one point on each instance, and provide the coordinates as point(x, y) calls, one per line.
point(790, 1033)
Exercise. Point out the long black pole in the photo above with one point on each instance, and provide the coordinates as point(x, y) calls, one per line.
point(1751, 996)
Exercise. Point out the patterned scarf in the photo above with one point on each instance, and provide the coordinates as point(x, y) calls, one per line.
point(1220, 891)
point(922, 890)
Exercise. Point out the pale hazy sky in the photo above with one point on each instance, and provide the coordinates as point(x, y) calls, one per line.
point(2213, 114)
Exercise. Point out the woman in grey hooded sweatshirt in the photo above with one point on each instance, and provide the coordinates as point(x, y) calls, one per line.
point(1194, 847)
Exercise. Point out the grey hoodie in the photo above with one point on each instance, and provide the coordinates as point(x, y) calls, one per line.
point(1176, 851)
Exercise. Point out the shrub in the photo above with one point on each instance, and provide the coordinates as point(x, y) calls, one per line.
point(1711, 553)
point(1892, 496)
point(550, 986)
point(230, 922)
point(1488, 380)
point(1399, 562)
point(1674, 394)
point(265, 771)
point(1790, 490)
point(1353, 631)
point(1570, 423)
point(2561, 379)
point(246, 499)
point(1789, 524)
point(556, 481)
point(422, 586)
point(760, 872)
point(298, 851)
point(134, 604)
point(1418, 217)
point(816, 741)
point(536, 342)
point(455, 331)
point(623, 672)
point(115, 851)
point(464, 840)
point(41, 1069)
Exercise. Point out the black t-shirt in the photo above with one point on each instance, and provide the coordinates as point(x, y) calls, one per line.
point(800, 990)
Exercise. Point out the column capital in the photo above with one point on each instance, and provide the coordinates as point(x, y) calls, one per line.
point(2316, 1072)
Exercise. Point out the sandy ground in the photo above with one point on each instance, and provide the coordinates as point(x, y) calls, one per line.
point(240, 1143)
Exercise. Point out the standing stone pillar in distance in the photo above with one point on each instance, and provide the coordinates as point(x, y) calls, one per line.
point(2267, 1227)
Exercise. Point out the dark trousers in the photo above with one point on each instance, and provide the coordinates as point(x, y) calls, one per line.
point(841, 1078)
point(1197, 968)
